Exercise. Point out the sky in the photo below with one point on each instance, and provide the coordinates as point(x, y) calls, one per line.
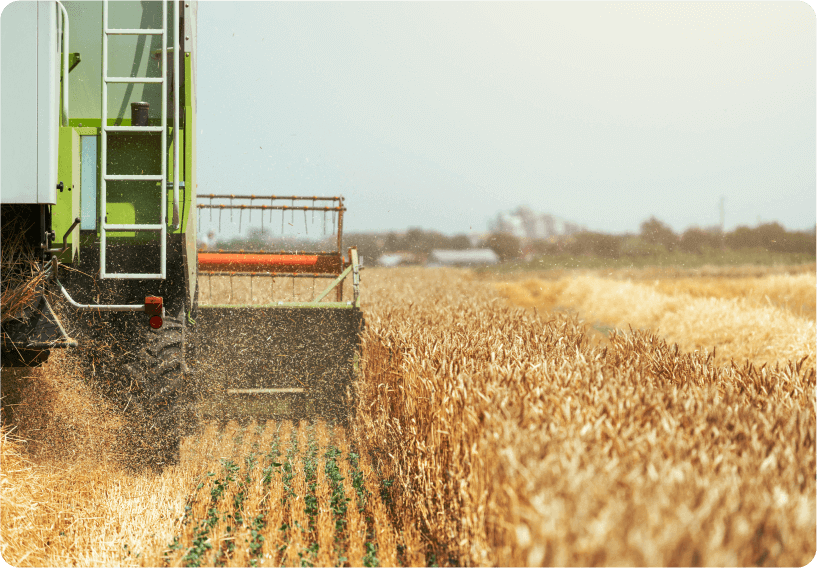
point(441, 115)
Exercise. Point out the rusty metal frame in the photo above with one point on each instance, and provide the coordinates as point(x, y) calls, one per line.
point(344, 267)
point(339, 208)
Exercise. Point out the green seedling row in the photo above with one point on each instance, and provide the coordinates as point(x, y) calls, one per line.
point(243, 523)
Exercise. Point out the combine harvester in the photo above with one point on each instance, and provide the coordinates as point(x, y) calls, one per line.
point(99, 147)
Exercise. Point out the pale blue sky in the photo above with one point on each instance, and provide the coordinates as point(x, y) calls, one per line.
point(438, 115)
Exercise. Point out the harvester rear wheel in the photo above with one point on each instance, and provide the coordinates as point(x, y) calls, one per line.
point(166, 411)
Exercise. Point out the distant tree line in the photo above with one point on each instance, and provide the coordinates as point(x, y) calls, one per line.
point(654, 238)
point(372, 245)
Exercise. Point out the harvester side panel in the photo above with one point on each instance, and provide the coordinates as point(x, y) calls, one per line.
point(30, 95)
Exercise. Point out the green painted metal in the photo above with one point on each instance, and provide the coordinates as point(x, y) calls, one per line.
point(187, 134)
point(188, 197)
point(66, 209)
point(74, 59)
point(334, 283)
point(134, 202)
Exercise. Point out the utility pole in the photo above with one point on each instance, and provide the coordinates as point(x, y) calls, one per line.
point(723, 219)
point(723, 212)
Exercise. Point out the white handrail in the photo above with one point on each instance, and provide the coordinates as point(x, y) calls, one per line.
point(65, 48)
point(100, 307)
point(176, 222)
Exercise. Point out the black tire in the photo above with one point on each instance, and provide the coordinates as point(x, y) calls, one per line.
point(165, 411)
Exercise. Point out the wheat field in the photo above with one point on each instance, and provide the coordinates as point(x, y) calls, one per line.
point(485, 433)
point(516, 441)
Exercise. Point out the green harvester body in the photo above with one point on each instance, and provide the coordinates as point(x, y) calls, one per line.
point(109, 138)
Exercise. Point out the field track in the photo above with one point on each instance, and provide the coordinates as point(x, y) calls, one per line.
point(282, 494)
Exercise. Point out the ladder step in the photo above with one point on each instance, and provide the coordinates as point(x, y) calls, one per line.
point(137, 31)
point(122, 227)
point(129, 275)
point(133, 178)
point(133, 80)
point(133, 129)
point(265, 391)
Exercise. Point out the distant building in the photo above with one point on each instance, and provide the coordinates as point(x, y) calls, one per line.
point(398, 259)
point(390, 259)
point(467, 257)
point(527, 225)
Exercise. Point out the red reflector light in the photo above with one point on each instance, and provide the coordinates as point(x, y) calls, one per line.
point(156, 322)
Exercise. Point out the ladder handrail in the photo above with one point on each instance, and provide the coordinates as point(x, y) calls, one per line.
point(176, 72)
point(65, 47)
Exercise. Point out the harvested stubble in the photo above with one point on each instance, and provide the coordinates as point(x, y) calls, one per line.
point(298, 523)
point(65, 510)
point(57, 415)
point(514, 442)
point(325, 524)
point(66, 499)
point(795, 293)
point(83, 513)
point(652, 273)
point(740, 318)
point(355, 527)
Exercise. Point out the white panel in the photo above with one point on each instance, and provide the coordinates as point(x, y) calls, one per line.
point(47, 102)
point(18, 103)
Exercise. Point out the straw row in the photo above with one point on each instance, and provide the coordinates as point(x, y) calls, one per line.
point(765, 320)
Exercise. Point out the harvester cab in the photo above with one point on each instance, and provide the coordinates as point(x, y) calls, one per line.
point(99, 147)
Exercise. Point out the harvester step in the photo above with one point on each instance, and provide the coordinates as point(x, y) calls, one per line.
point(136, 31)
point(127, 228)
point(156, 129)
point(134, 80)
point(134, 275)
point(133, 178)
point(266, 391)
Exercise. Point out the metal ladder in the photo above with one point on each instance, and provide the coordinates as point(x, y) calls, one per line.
point(160, 227)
